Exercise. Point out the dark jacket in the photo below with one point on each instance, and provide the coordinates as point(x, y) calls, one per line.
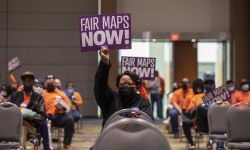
point(36, 104)
point(109, 101)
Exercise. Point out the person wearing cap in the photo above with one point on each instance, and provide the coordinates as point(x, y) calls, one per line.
point(30, 103)
point(38, 86)
point(58, 107)
point(76, 101)
point(180, 101)
point(126, 97)
point(244, 94)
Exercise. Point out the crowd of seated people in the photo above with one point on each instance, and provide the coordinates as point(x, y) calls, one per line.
point(44, 104)
point(187, 103)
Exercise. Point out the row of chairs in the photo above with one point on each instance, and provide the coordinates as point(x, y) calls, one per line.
point(230, 124)
point(131, 129)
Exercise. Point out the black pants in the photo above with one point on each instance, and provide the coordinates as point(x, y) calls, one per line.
point(187, 124)
point(67, 122)
point(45, 135)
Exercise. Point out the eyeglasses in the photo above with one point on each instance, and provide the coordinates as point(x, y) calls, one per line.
point(128, 84)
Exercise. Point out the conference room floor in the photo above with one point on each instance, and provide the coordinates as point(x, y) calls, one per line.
point(91, 128)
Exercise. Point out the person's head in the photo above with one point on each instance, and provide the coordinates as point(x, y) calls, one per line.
point(58, 83)
point(6, 90)
point(70, 87)
point(38, 86)
point(50, 83)
point(28, 80)
point(244, 85)
point(127, 84)
point(156, 73)
point(185, 83)
point(209, 85)
point(175, 86)
point(231, 85)
point(198, 86)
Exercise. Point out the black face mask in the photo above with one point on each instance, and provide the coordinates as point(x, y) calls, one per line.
point(27, 89)
point(185, 86)
point(50, 87)
point(127, 95)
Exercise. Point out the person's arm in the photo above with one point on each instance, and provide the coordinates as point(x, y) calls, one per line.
point(147, 108)
point(40, 110)
point(12, 78)
point(174, 102)
point(103, 94)
point(78, 99)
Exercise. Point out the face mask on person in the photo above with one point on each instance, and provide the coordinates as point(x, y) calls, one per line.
point(127, 95)
point(245, 87)
point(231, 89)
point(71, 91)
point(3, 93)
point(198, 90)
point(37, 89)
point(185, 86)
point(27, 89)
point(50, 87)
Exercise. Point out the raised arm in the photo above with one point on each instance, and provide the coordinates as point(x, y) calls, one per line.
point(103, 94)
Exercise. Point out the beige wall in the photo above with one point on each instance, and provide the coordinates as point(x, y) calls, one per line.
point(177, 15)
point(44, 35)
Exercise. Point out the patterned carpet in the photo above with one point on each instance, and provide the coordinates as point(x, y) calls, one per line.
point(86, 136)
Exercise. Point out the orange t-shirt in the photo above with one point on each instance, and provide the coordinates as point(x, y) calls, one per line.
point(78, 100)
point(50, 101)
point(26, 101)
point(182, 98)
point(195, 101)
point(143, 92)
point(241, 96)
point(162, 83)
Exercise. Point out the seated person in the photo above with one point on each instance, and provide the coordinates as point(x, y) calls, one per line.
point(181, 98)
point(188, 119)
point(127, 96)
point(30, 103)
point(5, 92)
point(58, 107)
point(243, 95)
point(76, 101)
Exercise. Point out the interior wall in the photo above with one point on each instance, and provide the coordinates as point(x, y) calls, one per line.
point(44, 35)
point(239, 26)
point(177, 15)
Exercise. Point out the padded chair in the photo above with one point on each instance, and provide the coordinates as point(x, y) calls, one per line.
point(127, 113)
point(238, 123)
point(11, 126)
point(131, 134)
point(217, 122)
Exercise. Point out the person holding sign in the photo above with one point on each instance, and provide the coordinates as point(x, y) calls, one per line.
point(126, 97)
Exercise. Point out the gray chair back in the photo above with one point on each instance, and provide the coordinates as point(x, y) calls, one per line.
point(131, 134)
point(217, 118)
point(126, 113)
point(11, 122)
point(238, 120)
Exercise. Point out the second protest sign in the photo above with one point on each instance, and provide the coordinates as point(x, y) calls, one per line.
point(143, 66)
